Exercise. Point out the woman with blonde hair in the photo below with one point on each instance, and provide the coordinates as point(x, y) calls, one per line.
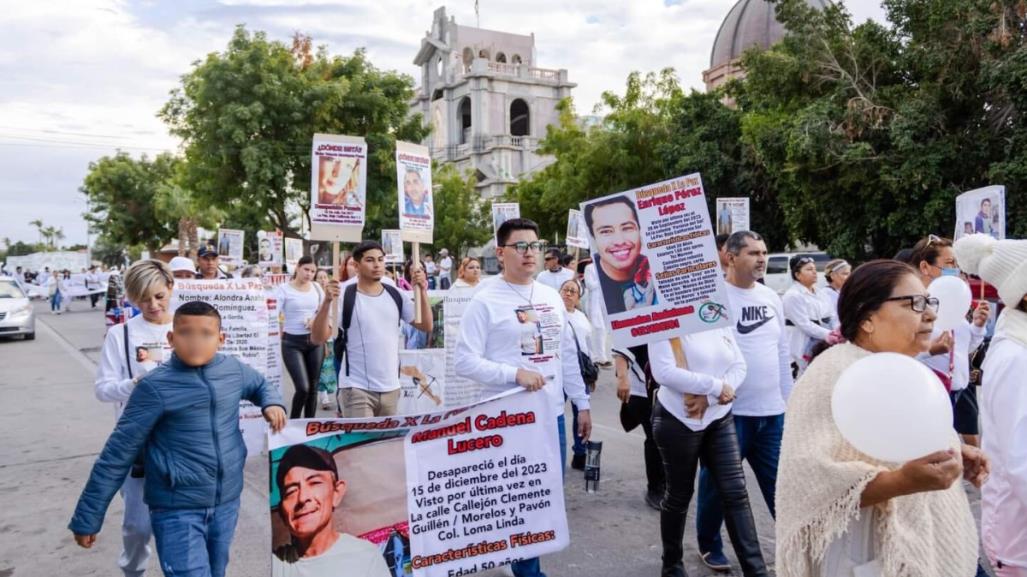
point(469, 273)
point(130, 350)
point(841, 513)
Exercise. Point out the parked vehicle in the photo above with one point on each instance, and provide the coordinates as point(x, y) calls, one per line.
point(778, 276)
point(17, 317)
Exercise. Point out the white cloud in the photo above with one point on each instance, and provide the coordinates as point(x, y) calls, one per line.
point(82, 77)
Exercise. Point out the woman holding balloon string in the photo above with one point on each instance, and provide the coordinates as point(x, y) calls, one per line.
point(953, 338)
point(843, 512)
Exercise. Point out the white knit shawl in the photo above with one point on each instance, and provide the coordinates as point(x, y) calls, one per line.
point(821, 478)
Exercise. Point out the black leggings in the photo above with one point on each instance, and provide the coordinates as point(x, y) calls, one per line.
point(717, 446)
point(303, 360)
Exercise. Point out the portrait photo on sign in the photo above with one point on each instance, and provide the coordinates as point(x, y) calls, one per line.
point(981, 211)
point(417, 199)
point(339, 181)
point(624, 272)
point(531, 331)
point(339, 507)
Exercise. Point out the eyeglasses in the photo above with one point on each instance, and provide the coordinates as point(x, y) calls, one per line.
point(522, 246)
point(569, 291)
point(918, 303)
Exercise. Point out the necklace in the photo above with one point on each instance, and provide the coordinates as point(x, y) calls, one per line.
point(518, 293)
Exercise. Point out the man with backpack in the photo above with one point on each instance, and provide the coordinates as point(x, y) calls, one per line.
point(369, 333)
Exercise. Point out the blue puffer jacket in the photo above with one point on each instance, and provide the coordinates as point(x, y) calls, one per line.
point(187, 421)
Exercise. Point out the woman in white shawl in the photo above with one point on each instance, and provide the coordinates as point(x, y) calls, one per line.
point(841, 513)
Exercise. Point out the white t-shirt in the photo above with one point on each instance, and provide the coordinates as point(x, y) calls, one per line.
point(298, 307)
point(760, 333)
point(555, 280)
point(430, 267)
point(582, 329)
point(830, 296)
point(148, 348)
point(507, 327)
point(968, 338)
point(374, 328)
point(713, 358)
point(348, 557)
point(445, 265)
point(809, 318)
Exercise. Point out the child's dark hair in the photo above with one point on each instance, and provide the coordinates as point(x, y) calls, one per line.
point(197, 309)
point(364, 247)
point(509, 226)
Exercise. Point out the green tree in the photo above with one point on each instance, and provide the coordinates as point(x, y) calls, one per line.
point(248, 116)
point(462, 219)
point(122, 192)
point(38, 223)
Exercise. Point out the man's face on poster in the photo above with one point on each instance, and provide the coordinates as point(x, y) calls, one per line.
point(309, 497)
point(617, 235)
point(414, 188)
point(265, 247)
point(522, 316)
point(986, 207)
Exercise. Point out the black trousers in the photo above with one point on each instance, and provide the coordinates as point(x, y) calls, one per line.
point(303, 360)
point(642, 411)
point(717, 446)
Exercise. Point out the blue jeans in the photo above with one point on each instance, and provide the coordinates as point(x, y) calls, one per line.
point(579, 443)
point(194, 542)
point(759, 442)
point(55, 302)
point(533, 567)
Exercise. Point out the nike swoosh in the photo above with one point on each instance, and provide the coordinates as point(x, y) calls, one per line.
point(746, 329)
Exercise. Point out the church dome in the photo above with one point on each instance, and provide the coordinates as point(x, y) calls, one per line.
point(750, 23)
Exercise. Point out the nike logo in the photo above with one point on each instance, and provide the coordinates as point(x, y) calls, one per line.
point(746, 329)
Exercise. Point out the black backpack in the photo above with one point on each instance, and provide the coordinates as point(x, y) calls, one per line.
point(349, 301)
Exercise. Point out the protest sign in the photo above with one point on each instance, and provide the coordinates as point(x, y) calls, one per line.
point(732, 215)
point(269, 249)
point(293, 252)
point(460, 390)
point(392, 242)
point(230, 243)
point(427, 495)
point(657, 262)
point(338, 188)
point(577, 235)
point(982, 210)
point(422, 381)
point(251, 335)
point(58, 260)
point(502, 212)
point(416, 200)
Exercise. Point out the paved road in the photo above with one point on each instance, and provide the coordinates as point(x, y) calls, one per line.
point(53, 428)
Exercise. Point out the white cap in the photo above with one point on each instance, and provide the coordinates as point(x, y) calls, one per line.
point(182, 263)
point(1002, 263)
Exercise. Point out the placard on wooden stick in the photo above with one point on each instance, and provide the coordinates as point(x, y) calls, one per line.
point(338, 188)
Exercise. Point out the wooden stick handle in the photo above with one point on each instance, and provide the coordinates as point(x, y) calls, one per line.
point(337, 275)
point(416, 258)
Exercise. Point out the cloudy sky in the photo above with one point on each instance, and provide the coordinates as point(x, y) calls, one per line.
point(81, 78)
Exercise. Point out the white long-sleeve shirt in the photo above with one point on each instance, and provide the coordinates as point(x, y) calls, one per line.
point(809, 318)
point(713, 359)
point(496, 340)
point(147, 349)
point(1004, 439)
point(967, 338)
point(762, 338)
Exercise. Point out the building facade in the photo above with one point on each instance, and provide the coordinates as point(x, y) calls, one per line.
point(486, 100)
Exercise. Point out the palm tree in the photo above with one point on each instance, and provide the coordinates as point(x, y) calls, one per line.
point(58, 235)
point(38, 223)
point(49, 233)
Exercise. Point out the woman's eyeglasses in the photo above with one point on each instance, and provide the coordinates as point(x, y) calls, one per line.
point(918, 303)
point(522, 247)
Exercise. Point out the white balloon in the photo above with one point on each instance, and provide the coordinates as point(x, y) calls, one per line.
point(892, 408)
point(954, 299)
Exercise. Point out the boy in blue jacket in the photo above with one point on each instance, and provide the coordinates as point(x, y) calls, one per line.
point(184, 416)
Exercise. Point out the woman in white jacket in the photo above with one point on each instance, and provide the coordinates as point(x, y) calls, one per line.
point(807, 315)
point(130, 350)
point(1003, 401)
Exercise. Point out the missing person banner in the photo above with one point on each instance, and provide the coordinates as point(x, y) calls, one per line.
point(732, 215)
point(251, 335)
point(577, 235)
point(392, 242)
point(502, 212)
point(981, 211)
point(338, 188)
point(416, 200)
point(422, 381)
point(230, 244)
point(657, 261)
point(460, 390)
point(293, 253)
point(429, 495)
point(269, 249)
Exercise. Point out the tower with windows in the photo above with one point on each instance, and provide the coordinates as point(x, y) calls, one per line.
point(486, 100)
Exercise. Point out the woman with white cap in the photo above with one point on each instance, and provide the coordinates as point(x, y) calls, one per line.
point(1003, 405)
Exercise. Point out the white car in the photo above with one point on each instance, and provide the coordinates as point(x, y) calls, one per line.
point(17, 317)
point(779, 277)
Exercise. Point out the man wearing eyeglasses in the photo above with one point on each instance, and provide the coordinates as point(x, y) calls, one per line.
point(491, 349)
point(623, 270)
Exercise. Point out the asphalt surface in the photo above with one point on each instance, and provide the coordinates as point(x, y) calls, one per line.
point(53, 428)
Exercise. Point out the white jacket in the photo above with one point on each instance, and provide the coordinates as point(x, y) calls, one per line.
point(808, 318)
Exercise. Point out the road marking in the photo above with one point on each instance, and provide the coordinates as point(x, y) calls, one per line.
point(69, 348)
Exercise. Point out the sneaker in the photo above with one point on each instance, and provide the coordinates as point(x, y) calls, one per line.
point(578, 462)
point(716, 561)
point(654, 499)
